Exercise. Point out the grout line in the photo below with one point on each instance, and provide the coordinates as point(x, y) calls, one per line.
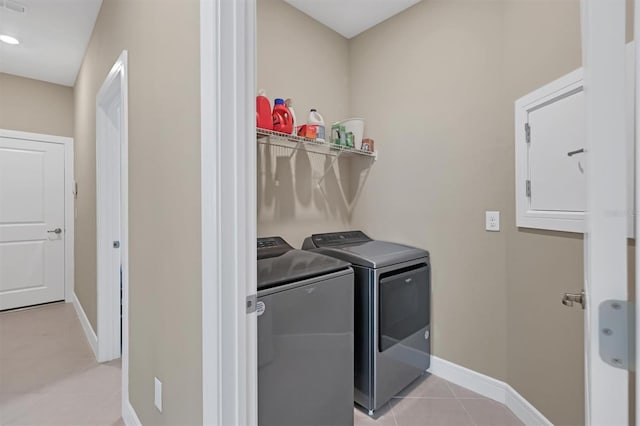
point(393, 414)
point(473, 421)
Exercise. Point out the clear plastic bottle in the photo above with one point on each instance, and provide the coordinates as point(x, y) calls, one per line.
point(289, 104)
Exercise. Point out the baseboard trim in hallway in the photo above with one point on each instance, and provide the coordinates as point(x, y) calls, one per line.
point(491, 388)
point(129, 415)
point(92, 338)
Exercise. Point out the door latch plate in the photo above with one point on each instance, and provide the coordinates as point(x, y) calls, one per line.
point(251, 303)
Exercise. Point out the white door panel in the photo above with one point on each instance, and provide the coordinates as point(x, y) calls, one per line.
point(31, 204)
point(557, 179)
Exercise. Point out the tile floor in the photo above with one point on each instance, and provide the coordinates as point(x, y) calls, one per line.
point(49, 376)
point(433, 401)
point(48, 373)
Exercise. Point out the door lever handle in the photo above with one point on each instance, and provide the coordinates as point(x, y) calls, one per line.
point(577, 151)
point(55, 231)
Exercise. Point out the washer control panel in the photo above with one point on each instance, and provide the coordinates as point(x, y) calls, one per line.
point(339, 238)
point(272, 247)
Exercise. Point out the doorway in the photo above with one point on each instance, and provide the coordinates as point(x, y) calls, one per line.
point(36, 219)
point(112, 218)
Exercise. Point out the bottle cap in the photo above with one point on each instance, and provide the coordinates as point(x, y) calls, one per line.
point(314, 110)
point(279, 101)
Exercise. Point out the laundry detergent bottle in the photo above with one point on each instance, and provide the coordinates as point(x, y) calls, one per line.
point(282, 119)
point(264, 118)
point(315, 119)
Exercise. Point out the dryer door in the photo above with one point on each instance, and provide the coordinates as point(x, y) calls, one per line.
point(403, 304)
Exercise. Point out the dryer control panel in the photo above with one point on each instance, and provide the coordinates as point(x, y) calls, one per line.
point(272, 247)
point(339, 238)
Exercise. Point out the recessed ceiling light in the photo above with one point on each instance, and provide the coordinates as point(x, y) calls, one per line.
point(8, 39)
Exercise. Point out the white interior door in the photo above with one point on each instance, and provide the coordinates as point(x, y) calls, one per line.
point(109, 133)
point(32, 222)
point(606, 354)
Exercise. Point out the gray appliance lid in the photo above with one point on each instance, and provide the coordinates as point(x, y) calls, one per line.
point(294, 265)
point(370, 253)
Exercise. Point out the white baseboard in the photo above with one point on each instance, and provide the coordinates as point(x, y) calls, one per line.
point(491, 388)
point(86, 325)
point(129, 416)
point(523, 409)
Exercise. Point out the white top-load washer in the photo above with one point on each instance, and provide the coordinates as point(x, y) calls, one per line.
point(305, 337)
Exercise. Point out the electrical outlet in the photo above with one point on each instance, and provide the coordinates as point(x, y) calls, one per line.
point(492, 221)
point(158, 394)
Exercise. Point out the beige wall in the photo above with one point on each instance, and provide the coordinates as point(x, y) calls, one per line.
point(164, 196)
point(545, 339)
point(437, 85)
point(301, 59)
point(429, 83)
point(35, 106)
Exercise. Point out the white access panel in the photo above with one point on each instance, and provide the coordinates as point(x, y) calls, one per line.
point(550, 124)
point(556, 165)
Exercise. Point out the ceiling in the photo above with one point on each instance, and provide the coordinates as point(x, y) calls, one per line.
point(53, 35)
point(351, 17)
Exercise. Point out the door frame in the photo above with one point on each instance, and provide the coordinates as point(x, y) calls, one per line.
point(604, 58)
point(69, 200)
point(108, 318)
point(228, 185)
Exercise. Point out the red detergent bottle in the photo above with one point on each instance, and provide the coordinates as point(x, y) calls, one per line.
point(264, 118)
point(282, 119)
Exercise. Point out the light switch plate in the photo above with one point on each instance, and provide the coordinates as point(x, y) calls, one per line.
point(158, 394)
point(492, 221)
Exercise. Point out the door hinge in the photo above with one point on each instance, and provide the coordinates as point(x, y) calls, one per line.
point(616, 334)
point(251, 303)
point(527, 132)
point(528, 188)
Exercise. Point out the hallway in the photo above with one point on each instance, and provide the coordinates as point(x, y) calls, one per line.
point(48, 373)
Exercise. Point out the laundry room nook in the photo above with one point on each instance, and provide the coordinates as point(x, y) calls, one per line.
point(436, 85)
point(430, 221)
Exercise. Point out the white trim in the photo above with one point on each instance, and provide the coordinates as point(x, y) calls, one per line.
point(69, 200)
point(211, 391)
point(523, 409)
point(605, 263)
point(636, 128)
point(490, 388)
point(129, 415)
point(86, 325)
point(228, 155)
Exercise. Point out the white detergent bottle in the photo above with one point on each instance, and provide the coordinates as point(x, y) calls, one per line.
point(315, 119)
point(289, 104)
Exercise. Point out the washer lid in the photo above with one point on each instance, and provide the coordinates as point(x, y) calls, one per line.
point(375, 254)
point(295, 265)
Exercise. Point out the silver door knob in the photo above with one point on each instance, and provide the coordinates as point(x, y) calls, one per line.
point(570, 298)
point(55, 231)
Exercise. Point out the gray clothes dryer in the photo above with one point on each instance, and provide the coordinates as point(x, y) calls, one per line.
point(305, 337)
point(392, 312)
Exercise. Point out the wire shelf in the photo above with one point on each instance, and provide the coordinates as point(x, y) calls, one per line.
point(269, 137)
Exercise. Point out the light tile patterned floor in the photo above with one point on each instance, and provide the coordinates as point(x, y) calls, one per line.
point(432, 401)
point(48, 374)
